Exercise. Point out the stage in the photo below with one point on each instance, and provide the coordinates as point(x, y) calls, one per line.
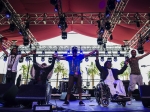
point(90, 105)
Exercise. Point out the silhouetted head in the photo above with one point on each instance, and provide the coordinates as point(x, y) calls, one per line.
point(14, 50)
point(133, 53)
point(74, 51)
point(108, 64)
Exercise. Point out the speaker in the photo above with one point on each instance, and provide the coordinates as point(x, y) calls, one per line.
point(145, 95)
point(33, 93)
point(63, 97)
point(8, 93)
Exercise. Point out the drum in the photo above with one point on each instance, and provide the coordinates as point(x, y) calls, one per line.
point(63, 86)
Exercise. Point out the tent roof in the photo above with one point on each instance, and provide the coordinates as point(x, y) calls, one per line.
point(122, 31)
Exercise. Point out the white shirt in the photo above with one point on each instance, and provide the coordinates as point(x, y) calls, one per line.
point(14, 62)
point(110, 77)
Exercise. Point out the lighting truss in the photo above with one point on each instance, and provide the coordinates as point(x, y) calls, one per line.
point(17, 21)
point(111, 49)
point(117, 16)
point(74, 18)
point(142, 32)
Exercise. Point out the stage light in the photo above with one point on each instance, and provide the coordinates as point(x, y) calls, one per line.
point(50, 60)
point(64, 35)
point(107, 25)
point(12, 27)
point(115, 59)
point(25, 41)
point(86, 59)
point(111, 4)
point(53, 2)
point(8, 14)
point(111, 37)
point(107, 13)
point(140, 50)
point(68, 52)
point(56, 8)
point(5, 58)
point(99, 25)
point(102, 59)
point(27, 25)
point(42, 58)
point(43, 52)
point(81, 52)
point(118, 0)
point(109, 59)
point(100, 41)
point(106, 52)
point(101, 30)
point(21, 60)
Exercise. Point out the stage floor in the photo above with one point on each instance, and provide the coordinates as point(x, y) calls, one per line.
point(91, 105)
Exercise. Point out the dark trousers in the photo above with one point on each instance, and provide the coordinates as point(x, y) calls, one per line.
point(78, 81)
point(10, 77)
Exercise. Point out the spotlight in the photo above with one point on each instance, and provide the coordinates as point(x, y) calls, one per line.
point(27, 25)
point(99, 25)
point(115, 59)
point(101, 30)
point(140, 50)
point(111, 4)
point(81, 52)
point(107, 13)
point(64, 35)
point(53, 2)
point(102, 59)
point(8, 14)
point(106, 52)
point(86, 59)
point(42, 58)
point(109, 59)
point(5, 58)
point(138, 24)
point(25, 41)
point(118, 0)
point(56, 8)
point(50, 60)
point(43, 52)
point(99, 41)
point(111, 37)
point(12, 27)
point(21, 60)
point(107, 25)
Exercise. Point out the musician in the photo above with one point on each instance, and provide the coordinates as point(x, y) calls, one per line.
point(135, 75)
point(74, 72)
point(13, 59)
point(41, 71)
point(110, 77)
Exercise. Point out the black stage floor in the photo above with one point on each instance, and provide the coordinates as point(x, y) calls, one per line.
point(90, 105)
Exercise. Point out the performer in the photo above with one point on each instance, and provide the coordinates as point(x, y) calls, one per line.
point(13, 59)
point(110, 77)
point(135, 75)
point(74, 72)
point(41, 72)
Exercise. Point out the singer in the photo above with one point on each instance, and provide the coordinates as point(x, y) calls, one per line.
point(135, 75)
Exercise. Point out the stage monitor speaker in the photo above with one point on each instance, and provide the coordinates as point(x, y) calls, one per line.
point(30, 93)
point(8, 93)
point(63, 97)
point(145, 95)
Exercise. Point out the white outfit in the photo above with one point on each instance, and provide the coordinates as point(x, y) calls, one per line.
point(110, 81)
point(13, 61)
